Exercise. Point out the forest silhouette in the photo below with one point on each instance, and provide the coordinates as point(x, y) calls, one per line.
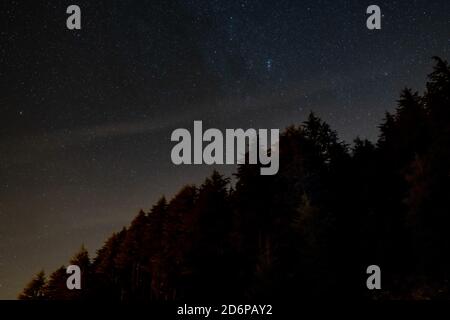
point(310, 231)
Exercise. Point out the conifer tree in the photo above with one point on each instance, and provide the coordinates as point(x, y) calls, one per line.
point(35, 290)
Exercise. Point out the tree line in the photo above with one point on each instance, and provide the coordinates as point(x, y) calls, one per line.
point(310, 231)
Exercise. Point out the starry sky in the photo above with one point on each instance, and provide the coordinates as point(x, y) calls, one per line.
point(86, 116)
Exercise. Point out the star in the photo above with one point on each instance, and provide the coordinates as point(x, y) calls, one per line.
point(269, 63)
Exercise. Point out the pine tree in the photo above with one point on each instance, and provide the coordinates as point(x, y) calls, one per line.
point(132, 259)
point(157, 249)
point(105, 272)
point(211, 244)
point(35, 290)
point(179, 231)
point(428, 180)
point(82, 260)
point(56, 288)
point(437, 97)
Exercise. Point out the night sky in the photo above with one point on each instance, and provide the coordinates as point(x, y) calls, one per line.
point(86, 116)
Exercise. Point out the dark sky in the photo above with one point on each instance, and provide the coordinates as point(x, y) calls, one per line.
point(86, 116)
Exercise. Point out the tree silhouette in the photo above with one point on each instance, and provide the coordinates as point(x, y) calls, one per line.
point(308, 232)
point(56, 288)
point(35, 289)
point(82, 260)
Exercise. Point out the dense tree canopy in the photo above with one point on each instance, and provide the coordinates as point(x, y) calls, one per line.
point(312, 229)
